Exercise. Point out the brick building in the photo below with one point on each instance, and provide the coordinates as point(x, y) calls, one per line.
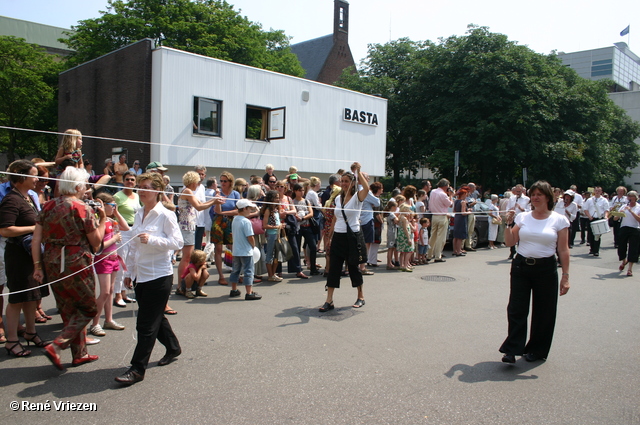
point(324, 58)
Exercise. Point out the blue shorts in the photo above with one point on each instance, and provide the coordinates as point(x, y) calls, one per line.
point(367, 231)
point(422, 249)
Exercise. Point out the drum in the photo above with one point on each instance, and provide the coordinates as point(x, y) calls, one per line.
point(600, 227)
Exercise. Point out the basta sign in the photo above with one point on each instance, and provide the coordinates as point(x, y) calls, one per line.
point(360, 117)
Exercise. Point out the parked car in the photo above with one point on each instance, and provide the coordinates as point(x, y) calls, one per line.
point(480, 235)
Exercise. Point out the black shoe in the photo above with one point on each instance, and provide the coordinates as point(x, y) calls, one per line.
point(510, 257)
point(596, 254)
point(169, 357)
point(234, 294)
point(509, 358)
point(582, 242)
point(129, 377)
point(530, 357)
point(470, 249)
point(252, 296)
point(359, 303)
point(326, 307)
point(439, 260)
point(315, 272)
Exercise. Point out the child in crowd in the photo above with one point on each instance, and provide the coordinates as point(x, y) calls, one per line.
point(195, 275)
point(243, 243)
point(420, 206)
point(70, 148)
point(405, 238)
point(415, 231)
point(392, 230)
point(107, 264)
point(423, 240)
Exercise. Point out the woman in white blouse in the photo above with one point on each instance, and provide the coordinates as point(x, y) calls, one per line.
point(629, 236)
point(538, 233)
point(150, 271)
point(349, 205)
point(566, 207)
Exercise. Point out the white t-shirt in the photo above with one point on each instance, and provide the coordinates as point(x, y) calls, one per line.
point(629, 220)
point(352, 210)
point(539, 238)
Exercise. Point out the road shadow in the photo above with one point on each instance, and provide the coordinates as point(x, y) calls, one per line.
point(493, 371)
point(294, 312)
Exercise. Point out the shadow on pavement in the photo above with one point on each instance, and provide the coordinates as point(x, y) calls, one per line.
point(493, 371)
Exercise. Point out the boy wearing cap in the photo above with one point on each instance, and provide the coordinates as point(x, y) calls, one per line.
point(243, 243)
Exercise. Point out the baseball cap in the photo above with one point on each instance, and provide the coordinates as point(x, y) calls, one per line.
point(156, 166)
point(244, 203)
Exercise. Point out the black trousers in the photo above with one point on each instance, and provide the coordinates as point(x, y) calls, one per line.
point(339, 255)
point(575, 227)
point(541, 281)
point(152, 324)
point(584, 225)
point(199, 236)
point(310, 240)
point(615, 228)
point(629, 236)
point(594, 244)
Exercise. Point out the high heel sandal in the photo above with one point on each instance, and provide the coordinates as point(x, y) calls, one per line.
point(37, 341)
point(22, 353)
point(39, 318)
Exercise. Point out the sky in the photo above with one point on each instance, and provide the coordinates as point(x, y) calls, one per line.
point(543, 25)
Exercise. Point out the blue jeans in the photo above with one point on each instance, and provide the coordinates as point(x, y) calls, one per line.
point(244, 265)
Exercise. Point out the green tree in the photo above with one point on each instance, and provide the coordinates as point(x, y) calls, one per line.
point(28, 83)
point(503, 106)
point(388, 71)
point(206, 27)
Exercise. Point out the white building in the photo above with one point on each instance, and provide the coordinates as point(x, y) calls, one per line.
point(200, 110)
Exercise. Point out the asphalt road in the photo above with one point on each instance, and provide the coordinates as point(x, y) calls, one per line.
point(419, 352)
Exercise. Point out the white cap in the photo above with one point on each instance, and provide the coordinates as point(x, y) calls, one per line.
point(244, 203)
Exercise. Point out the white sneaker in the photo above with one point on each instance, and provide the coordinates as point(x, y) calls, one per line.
point(92, 341)
point(97, 330)
point(113, 325)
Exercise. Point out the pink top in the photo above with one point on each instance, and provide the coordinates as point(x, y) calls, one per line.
point(185, 273)
point(439, 202)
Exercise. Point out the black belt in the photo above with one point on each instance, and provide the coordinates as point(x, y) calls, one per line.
point(536, 261)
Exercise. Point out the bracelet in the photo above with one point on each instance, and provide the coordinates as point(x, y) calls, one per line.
point(36, 262)
point(565, 274)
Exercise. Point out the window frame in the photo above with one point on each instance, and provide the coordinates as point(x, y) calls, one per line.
point(197, 130)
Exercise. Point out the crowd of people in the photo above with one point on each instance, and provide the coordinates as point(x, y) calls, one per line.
point(94, 236)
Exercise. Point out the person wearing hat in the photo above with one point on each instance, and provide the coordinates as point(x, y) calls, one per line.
point(156, 166)
point(243, 244)
point(567, 207)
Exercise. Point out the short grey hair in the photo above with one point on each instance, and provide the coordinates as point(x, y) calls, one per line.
point(333, 178)
point(70, 179)
point(200, 168)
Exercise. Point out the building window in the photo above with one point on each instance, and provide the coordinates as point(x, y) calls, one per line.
point(264, 123)
point(601, 67)
point(207, 116)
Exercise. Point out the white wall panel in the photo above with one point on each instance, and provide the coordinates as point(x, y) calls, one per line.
point(317, 140)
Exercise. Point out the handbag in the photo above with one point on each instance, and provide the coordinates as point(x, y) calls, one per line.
point(313, 222)
point(357, 247)
point(283, 248)
point(496, 220)
point(256, 223)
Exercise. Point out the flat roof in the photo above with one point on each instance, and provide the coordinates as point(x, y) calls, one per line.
point(34, 33)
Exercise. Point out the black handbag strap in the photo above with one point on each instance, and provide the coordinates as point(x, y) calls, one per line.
point(349, 230)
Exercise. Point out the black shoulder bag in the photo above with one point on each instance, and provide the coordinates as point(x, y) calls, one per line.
point(357, 247)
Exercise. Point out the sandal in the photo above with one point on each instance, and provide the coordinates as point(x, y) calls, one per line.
point(170, 311)
point(41, 312)
point(223, 282)
point(622, 266)
point(3, 338)
point(22, 353)
point(37, 341)
point(359, 303)
point(302, 276)
point(326, 307)
point(40, 319)
point(629, 273)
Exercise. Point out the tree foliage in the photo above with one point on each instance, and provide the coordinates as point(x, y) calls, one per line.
point(503, 106)
point(206, 27)
point(28, 83)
